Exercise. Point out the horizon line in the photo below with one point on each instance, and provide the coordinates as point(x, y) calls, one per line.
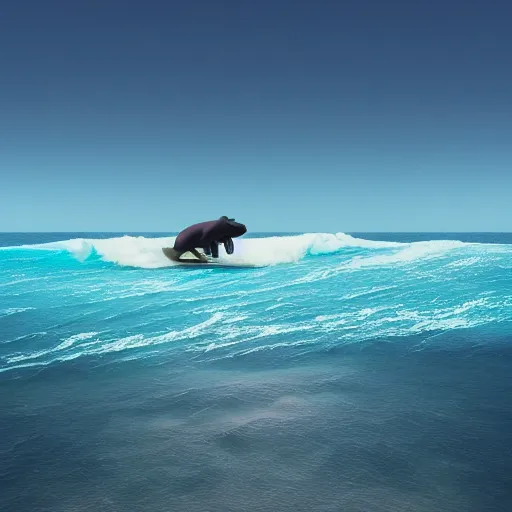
point(259, 232)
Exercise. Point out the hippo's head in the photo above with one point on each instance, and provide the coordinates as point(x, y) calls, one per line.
point(231, 228)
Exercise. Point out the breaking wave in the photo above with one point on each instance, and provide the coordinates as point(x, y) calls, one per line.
point(145, 252)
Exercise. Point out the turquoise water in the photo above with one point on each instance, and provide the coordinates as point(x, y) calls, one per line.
point(344, 373)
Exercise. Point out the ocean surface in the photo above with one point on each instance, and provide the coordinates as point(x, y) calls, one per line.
point(362, 372)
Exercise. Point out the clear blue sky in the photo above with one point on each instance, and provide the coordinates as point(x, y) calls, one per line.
point(288, 115)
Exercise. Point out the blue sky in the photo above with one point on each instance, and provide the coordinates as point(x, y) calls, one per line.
point(288, 115)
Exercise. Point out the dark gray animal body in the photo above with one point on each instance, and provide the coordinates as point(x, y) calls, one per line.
point(207, 236)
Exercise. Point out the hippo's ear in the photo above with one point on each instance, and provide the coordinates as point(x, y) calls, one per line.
point(227, 218)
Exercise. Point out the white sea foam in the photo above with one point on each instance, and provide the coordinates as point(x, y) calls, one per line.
point(147, 252)
point(14, 311)
point(69, 342)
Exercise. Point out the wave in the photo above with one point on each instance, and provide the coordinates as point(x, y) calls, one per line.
point(229, 332)
point(142, 252)
point(66, 299)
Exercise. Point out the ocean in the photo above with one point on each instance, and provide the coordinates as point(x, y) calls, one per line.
point(353, 372)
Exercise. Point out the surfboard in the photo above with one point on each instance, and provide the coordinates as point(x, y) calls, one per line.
point(210, 264)
point(215, 265)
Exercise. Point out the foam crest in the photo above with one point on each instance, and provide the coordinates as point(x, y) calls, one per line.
point(125, 251)
point(145, 252)
point(411, 252)
point(291, 249)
